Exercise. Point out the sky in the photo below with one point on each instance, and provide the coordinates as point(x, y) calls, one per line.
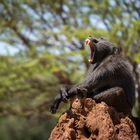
point(7, 49)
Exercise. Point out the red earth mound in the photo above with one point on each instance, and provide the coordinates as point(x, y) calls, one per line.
point(88, 120)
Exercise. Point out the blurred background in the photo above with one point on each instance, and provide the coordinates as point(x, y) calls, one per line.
point(42, 48)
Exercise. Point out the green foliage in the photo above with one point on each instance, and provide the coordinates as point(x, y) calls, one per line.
point(27, 86)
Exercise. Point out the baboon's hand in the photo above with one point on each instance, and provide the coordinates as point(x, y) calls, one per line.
point(62, 96)
point(55, 104)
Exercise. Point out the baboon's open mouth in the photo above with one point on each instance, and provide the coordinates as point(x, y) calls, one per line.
point(89, 42)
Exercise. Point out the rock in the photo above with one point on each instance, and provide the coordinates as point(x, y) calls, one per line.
point(88, 120)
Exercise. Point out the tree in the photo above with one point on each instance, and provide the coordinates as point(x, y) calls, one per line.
point(50, 38)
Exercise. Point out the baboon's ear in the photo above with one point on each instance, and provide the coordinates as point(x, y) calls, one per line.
point(116, 50)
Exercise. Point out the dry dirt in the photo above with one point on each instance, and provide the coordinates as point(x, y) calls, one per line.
point(87, 120)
